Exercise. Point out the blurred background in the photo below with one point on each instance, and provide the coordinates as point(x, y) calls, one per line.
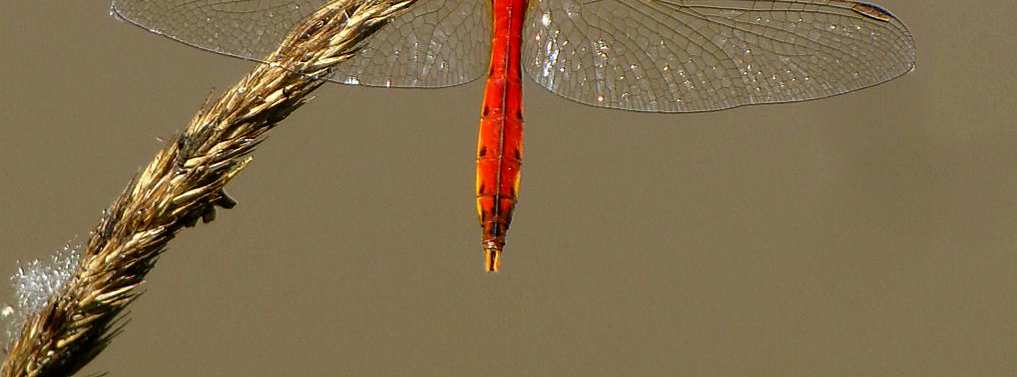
point(869, 234)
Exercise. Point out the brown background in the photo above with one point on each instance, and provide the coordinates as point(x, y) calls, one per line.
point(870, 234)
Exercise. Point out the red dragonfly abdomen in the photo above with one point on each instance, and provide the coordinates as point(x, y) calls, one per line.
point(500, 143)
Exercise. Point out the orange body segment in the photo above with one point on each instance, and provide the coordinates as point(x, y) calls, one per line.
point(500, 143)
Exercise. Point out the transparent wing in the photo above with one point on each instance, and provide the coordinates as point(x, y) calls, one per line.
point(700, 55)
point(436, 43)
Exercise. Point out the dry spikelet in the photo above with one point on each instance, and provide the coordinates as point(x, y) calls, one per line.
point(184, 183)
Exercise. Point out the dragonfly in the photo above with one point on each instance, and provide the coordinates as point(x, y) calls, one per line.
point(667, 56)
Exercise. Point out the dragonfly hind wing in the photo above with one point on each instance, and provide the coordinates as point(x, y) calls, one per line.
point(246, 29)
point(436, 43)
point(702, 55)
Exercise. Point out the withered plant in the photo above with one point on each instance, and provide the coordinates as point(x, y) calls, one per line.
point(182, 185)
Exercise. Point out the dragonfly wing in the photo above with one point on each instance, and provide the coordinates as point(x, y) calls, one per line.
point(248, 29)
point(436, 43)
point(701, 55)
